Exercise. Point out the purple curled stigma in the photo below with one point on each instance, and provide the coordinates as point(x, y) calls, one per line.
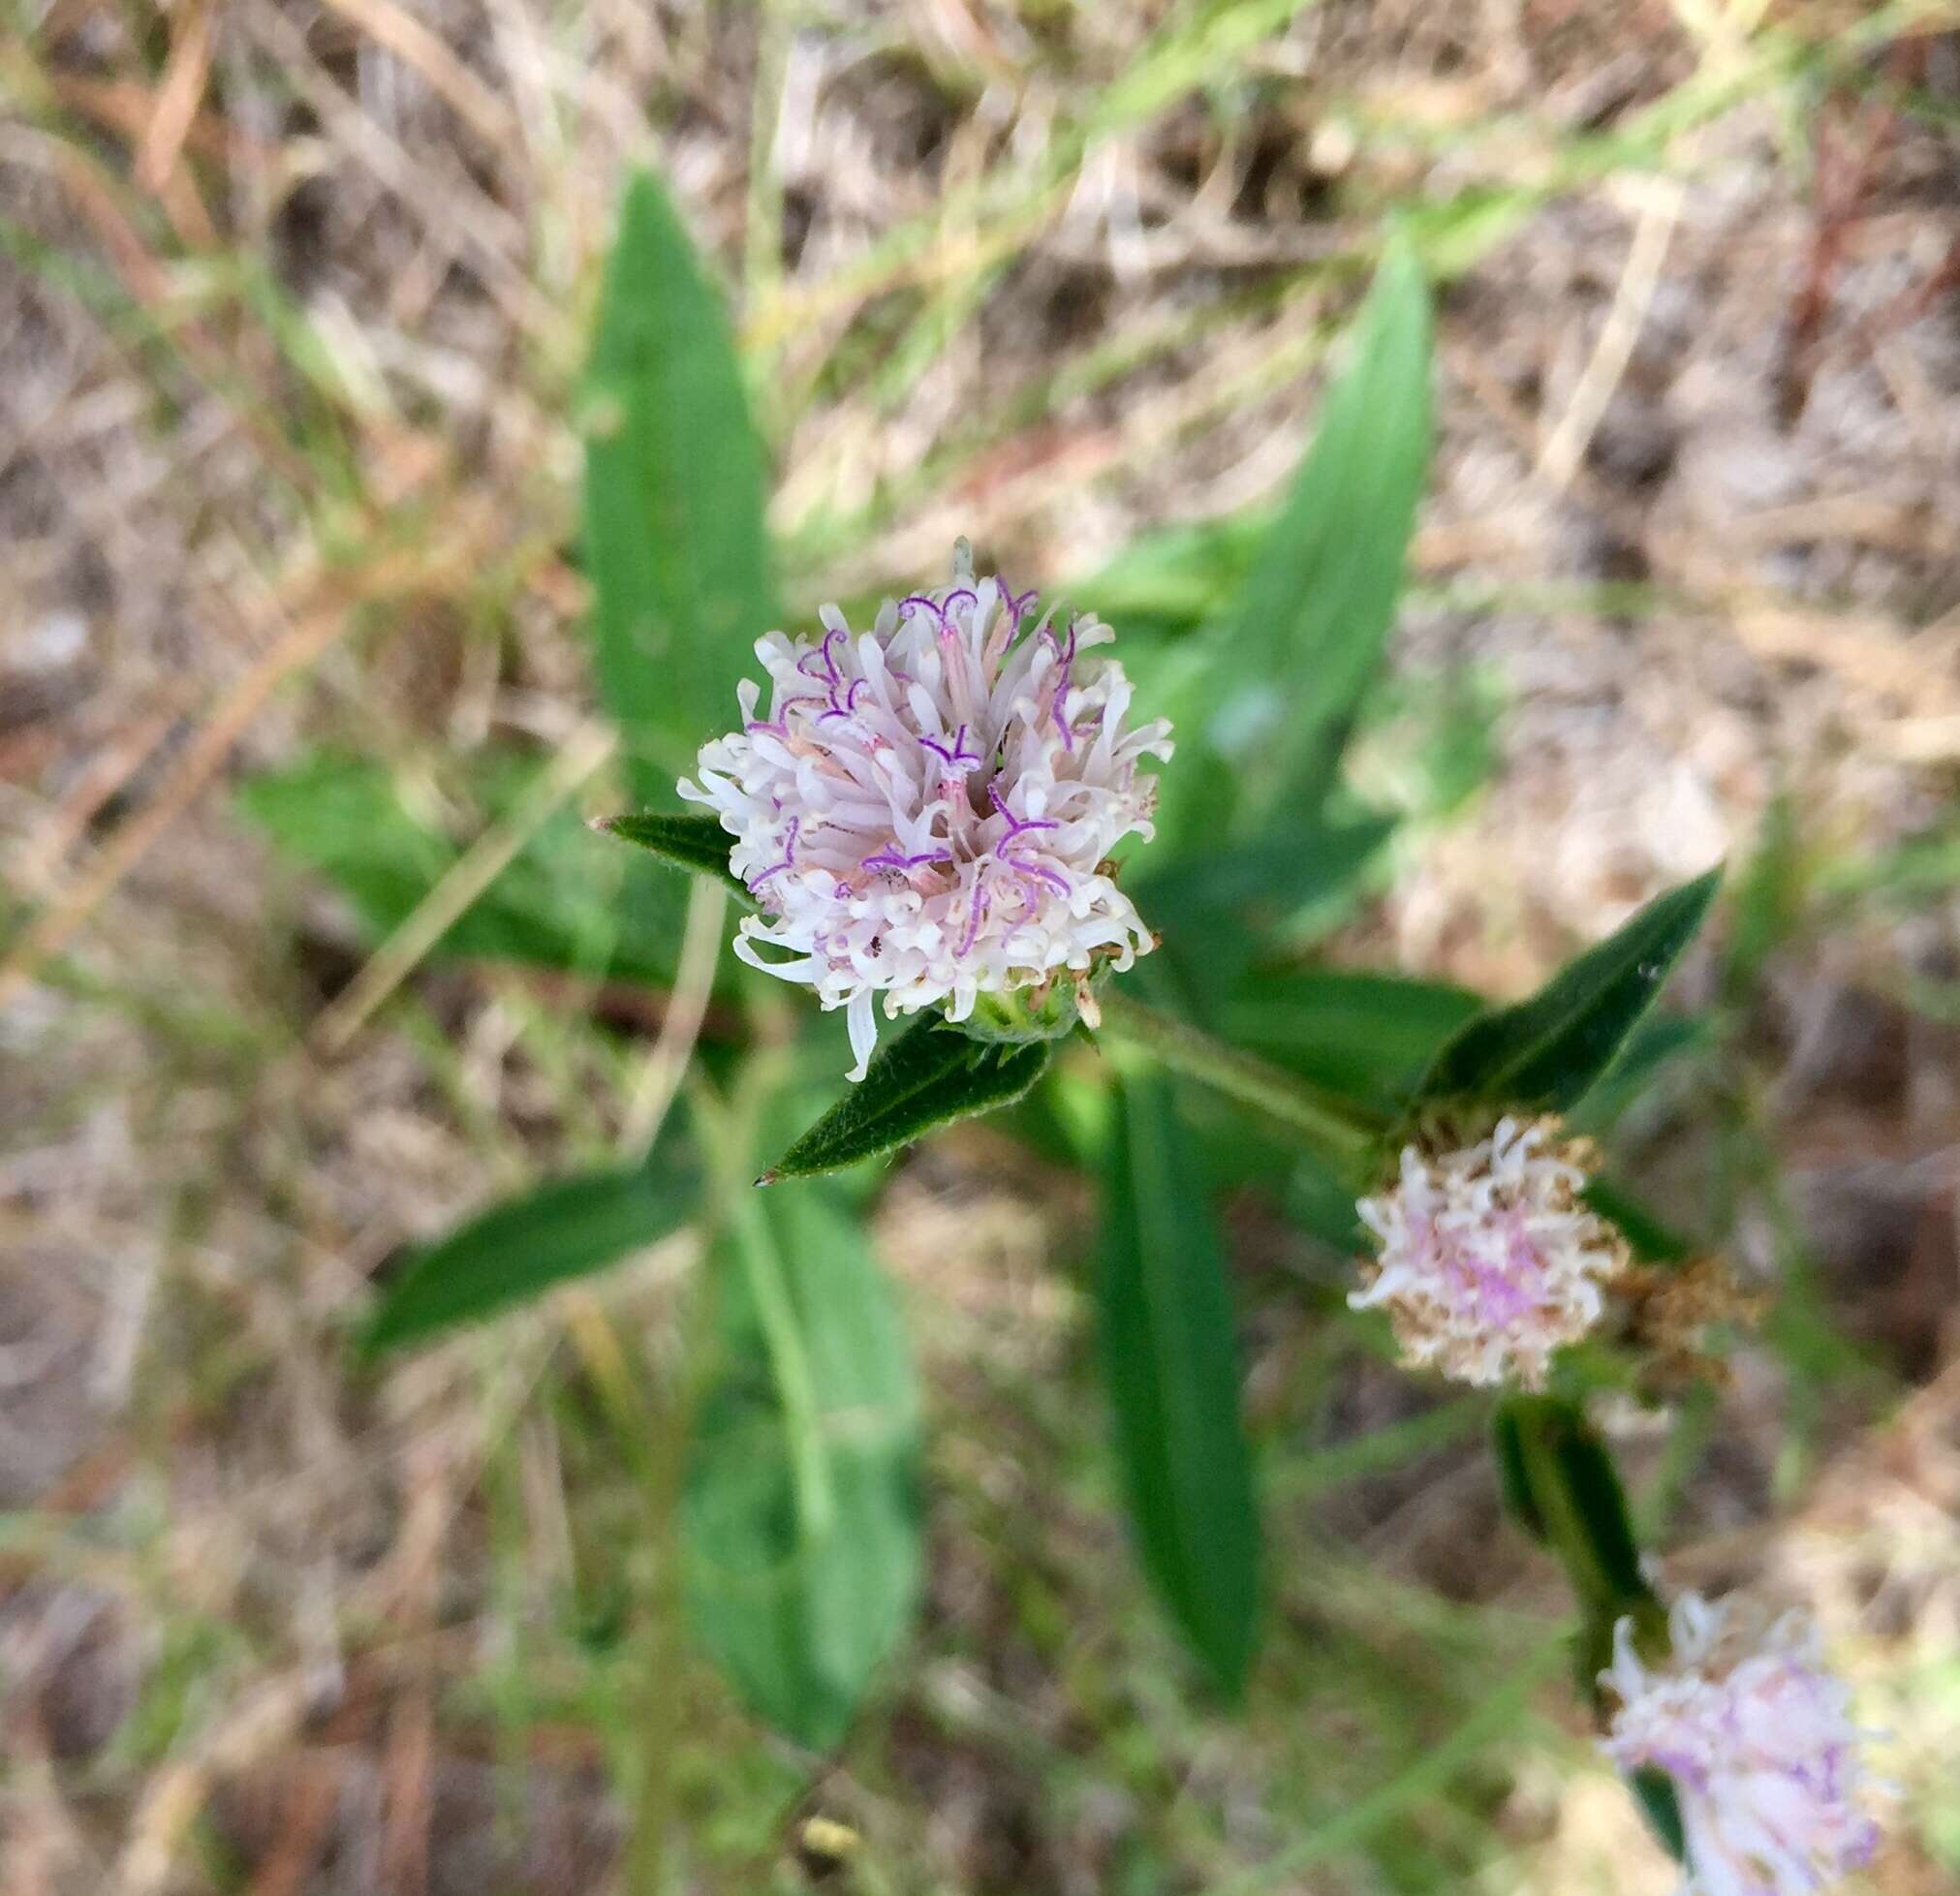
point(1018, 607)
point(966, 593)
point(828, 677)
point(890, 858)
point(1042, 872)
point(850, 703)
point(1064, 681)
point(1017, 825)
point(973, 919)
point(756, 882)
point(959, 755)
point(932, 606)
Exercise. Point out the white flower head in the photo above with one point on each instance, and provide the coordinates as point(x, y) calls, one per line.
point(1759, 1741)
point(1488, 1259)
point(925, 810)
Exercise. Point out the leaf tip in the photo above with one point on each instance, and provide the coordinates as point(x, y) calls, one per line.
point(770, 1177)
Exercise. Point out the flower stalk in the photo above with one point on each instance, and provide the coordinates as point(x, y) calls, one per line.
point(1346, 1134)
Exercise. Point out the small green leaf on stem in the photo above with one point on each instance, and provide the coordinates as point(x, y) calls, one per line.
point(698, 844)
point(924, 1079)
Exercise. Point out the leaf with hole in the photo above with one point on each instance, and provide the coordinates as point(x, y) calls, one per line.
point(921, 1080)
point(517, 1250)
point(675, 490)
point(698, 844)
point(1170, 1360)
point(801, 1518)
point(1545, 1053)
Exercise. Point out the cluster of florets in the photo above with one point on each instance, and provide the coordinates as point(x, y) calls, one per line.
point(1487, 1258)
point(1758, 1739)
point(926, 809)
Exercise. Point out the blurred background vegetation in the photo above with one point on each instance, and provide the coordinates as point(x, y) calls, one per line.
point(306, 950)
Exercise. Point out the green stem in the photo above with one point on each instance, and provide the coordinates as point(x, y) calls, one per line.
point(1346, 1135)
point(727, 1130)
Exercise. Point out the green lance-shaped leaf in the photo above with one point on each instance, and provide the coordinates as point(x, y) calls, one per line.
point(1172, 1365)
point(1543, 1054)
point(1558, 1482)
point(801, 1515)
point(517, 1250)
point(1318, 605)
point(675, 491)
point(1558, 1479)
point(1653, 1791)
point(698, 844)
point(925, 1077)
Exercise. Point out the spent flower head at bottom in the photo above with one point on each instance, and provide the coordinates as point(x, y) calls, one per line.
point(1487, 1259)
point(925, 809)
point(1758, 1738)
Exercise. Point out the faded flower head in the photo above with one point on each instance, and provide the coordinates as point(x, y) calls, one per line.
point(925, 809)
point(1488, 1259)
point(1758, 1738)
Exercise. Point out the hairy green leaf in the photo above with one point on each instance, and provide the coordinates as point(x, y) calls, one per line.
point(1170, 1362)
point(517, 1250)
point(698, 844)
point(925, 1077)
point(675, 492)
point(800, 1513)
point(1545, 1053)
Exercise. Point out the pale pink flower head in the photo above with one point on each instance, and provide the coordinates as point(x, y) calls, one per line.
point(1487, 1260)
point(926, 808)
point(1759, 1741)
